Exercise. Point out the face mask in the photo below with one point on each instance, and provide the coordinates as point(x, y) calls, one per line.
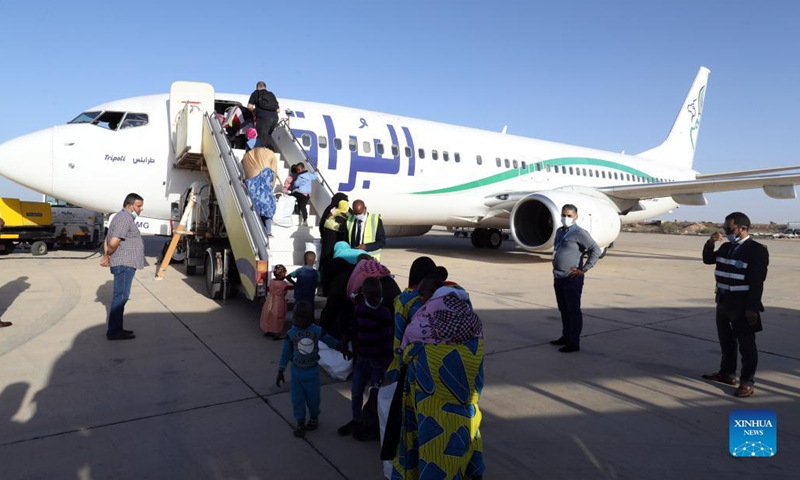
point(366, 302)
point(362, 217)
point(567, 221)
point(732, 238)
point(135, 215)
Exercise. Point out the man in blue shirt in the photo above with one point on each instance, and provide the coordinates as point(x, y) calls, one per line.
point(572, 243)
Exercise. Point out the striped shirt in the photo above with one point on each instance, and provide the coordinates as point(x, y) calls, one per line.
point(130, 252)
point(372, 332)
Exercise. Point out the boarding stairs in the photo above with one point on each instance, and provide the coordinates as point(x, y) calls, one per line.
point(201, 144)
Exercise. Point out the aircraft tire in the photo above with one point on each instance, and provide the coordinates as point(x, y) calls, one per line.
point(603, 253)
point(38, 248)
point(494, 238)
point(480, 238)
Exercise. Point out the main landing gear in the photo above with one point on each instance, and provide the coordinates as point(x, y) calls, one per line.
point(487, 238)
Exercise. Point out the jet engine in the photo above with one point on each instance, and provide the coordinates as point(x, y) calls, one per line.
point(406, 230)
point(535, 218)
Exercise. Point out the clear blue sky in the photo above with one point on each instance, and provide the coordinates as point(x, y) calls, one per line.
point(608, 75)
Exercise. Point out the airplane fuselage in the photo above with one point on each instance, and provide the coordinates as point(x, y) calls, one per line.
point(400, 166)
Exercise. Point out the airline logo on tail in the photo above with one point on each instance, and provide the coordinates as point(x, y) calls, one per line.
point(696, 110)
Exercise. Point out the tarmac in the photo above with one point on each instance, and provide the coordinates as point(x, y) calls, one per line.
point(194, 395)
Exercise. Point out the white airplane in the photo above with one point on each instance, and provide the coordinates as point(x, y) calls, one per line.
point(414, 172)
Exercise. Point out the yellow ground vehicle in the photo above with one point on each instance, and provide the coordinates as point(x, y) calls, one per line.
point(26, 222)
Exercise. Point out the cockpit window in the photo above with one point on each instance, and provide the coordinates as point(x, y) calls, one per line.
point(133, 120)
point(85, 117)
point(109, 120)
point(112, 120)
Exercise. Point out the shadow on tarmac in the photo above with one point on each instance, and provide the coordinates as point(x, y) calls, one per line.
point(10, 291)
point(172, 405)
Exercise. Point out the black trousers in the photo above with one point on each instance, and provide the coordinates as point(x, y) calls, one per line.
point(733, 330)
point(264, 129)
point(302, 202)
point(568, 296)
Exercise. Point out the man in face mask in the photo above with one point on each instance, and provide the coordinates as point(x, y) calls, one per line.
point(575, 252)
point(741, 270)
point(124, 253)
point(365, 230)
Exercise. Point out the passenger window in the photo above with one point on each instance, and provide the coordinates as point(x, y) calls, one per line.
point(408, 152)
point(479, 160)
point(133, 120)
point(507, 163)
point(516, 164)
point(353, 145)
point(306, 140)
point(603, 173)
point(571, 172)
point(421, 153)
point(323, 141)
point(499, 162)
point(591, 174)
point(555, 167)
point(547, 167)
point(445, 156)
point(457, 157)
point(584, 171)
point(367, 147)
point(337, 143)
point(379, 148)
point(435, 154)
point(395, 150)
point(523, 165)
point(615, 176)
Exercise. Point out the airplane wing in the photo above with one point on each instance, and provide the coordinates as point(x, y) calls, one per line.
point(688, 192)
point(691, 192)
point(745, 173)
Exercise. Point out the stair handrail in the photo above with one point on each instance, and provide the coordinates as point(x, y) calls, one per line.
point(285, 123)
point(242, 197)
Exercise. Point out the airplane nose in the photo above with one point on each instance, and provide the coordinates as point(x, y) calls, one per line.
point(28, 160)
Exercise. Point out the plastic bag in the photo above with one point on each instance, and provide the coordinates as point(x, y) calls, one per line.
point(385, 395)
point(284, 211)
point(334, 364)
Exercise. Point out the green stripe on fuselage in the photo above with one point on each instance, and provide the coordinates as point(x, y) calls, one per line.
point(530, 168)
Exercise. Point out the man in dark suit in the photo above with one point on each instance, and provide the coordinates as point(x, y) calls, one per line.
point(741, 270)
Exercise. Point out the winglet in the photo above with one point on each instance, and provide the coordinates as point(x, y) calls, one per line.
point(678, 149)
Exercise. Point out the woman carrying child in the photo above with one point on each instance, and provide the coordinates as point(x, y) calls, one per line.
point(440, 384)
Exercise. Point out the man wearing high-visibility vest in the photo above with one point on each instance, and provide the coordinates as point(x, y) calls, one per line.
point(365, 230)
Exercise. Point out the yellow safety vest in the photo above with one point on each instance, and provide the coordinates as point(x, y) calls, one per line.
point(370, 231)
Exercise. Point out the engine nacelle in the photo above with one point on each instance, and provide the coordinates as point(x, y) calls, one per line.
point(406, 230)
point(535, 218)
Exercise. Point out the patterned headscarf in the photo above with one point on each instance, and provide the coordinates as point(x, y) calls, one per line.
point(445, 319)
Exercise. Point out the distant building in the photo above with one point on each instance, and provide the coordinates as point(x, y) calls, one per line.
point(793, 227)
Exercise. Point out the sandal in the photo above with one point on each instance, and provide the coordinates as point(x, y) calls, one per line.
point(312, 424)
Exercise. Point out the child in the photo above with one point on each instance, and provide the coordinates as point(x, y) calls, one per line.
point(287, 184)
point(373, 334)
point(273, 315)
point(302, 348)
point(302, 189)
point(307, 279)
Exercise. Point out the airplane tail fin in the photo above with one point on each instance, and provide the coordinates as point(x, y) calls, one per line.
point(678, 149)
